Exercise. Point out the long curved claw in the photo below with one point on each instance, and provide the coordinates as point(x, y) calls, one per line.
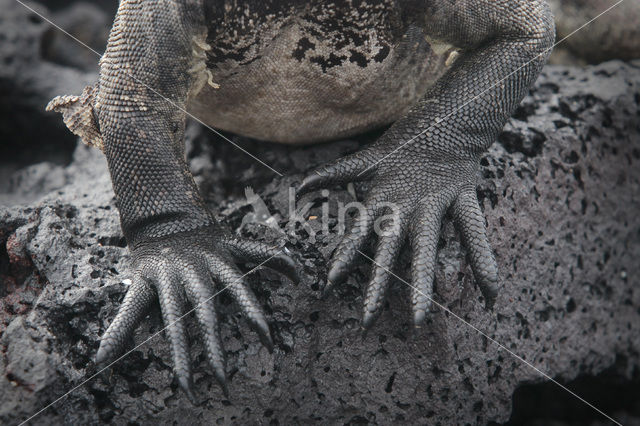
point(173, 307)
point(284, 264)
point(134, 308)
point(386, 254)
point(424, 240)
point(229, 277)
point(470, 223)
point(347, 250)
point(311, 182)
point(352, 168)
point(199, 290)
point(274, 257)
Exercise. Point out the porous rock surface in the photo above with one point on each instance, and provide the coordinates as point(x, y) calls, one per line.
point(33, 55)
point(560, 193)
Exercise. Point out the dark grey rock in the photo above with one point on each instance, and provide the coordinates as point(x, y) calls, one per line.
point(593, 31)
point(560, 192)
point(28, 81)
point(82, 21)
point(561, 197)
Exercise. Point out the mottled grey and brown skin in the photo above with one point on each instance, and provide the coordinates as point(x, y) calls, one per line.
point(446, 72)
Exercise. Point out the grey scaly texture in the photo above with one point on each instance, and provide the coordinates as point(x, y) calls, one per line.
point(448, 72)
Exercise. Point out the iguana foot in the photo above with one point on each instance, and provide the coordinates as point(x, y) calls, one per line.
point(411, 192)
point(186, 267)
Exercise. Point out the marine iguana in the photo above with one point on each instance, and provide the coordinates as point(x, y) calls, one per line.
point(446, 73)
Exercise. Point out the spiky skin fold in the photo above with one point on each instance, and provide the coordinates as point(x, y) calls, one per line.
point(448, 73)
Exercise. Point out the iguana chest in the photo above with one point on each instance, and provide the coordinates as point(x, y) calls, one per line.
point(306, 72)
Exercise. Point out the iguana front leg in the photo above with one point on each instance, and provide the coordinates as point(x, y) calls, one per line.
point(178, 248)
point(427, 162)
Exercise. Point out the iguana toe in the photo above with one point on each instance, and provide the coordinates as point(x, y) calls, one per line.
point(274, 256)
point(188, 268)
point(134, 308)
point(471, 225)
point(409, 204)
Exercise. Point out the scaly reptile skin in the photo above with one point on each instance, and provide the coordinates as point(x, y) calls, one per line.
point(449, 71)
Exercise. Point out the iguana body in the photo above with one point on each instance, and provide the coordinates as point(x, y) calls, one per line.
point(314, 71)
point(448, 73)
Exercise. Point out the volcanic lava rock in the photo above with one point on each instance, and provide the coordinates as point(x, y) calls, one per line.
point(561, 197)
point(560, 193)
